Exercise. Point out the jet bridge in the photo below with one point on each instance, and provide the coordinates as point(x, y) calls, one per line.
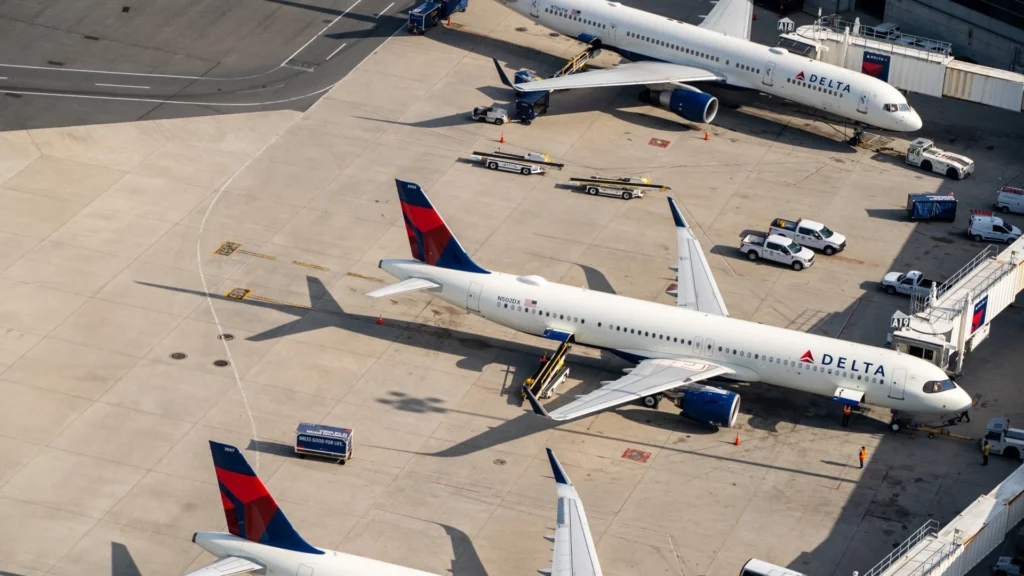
point(956, 317)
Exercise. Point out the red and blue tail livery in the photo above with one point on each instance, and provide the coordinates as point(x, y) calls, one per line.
point(429, 237)
point(250, 510)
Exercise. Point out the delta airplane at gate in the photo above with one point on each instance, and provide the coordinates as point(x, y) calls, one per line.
point(667, 56)
point(675, 348)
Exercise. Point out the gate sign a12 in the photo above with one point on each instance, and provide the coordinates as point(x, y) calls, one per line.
point(876, 65)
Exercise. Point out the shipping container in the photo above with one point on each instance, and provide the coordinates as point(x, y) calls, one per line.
point(989, 86)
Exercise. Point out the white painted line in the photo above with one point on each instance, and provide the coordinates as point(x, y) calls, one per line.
point(259, 89)
point(383, 11)
point(124, 86)
point(159, 101)
point(320, 33)
point(338, 49)
point(143, 74)
point(3, 77)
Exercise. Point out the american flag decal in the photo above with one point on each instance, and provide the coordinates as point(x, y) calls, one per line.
point(575, 12)
point(530, 303)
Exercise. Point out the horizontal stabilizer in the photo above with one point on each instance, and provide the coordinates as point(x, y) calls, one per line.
point(227, 567)
point(407, 285)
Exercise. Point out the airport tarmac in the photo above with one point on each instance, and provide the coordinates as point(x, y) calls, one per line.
point(113, 234)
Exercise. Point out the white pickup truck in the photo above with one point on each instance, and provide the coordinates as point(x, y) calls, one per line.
point(809, 233)
point(909, 283)
point(922, 152)
point(777, 249)
point(1004, 440)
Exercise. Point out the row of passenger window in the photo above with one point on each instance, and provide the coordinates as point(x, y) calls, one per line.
point(814, 87)
point(576, 18)
point(675, 47)
point(689, 342)
point(747, 68)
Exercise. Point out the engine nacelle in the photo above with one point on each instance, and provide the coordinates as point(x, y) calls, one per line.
point(693, 105)
point(712, 406)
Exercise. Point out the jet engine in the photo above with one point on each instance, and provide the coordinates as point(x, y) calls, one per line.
point(691, 104)
point(712, 406)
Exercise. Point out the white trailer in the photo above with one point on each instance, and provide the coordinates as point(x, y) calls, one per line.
point(525, 164)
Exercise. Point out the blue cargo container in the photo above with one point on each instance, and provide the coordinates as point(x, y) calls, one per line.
point(428, 14)
point(323, 441)
point(931, 207)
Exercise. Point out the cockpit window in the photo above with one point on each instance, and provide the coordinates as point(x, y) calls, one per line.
point(890, 107)
point(904, 107)
point(938, 386)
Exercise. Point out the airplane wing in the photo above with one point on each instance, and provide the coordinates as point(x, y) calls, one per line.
point(627, 74)
point(730, 17)
point(696, 288)
point(574, 553)
point(228, 566)
point(649, 377)
point(407, 285)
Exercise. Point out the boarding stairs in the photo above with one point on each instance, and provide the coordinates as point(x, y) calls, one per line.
point(959, 311)
point(578, 63)
point(551, 373)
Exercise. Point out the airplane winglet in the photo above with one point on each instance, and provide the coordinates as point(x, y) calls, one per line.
point(676, 214)
point(501, 74)
point(556, 469)
point(537, 408)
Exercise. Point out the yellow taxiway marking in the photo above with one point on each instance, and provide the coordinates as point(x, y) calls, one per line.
point(280, 302)
point(238, 293)
point(257, 255)
point(354, 275)
point(313, 266)
point(227, 248)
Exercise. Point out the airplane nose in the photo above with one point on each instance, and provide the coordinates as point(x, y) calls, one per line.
point(914, 122)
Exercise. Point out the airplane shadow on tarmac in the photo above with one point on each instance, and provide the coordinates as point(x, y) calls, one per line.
point(121, 562)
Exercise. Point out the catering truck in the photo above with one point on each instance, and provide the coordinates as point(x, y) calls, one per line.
point(810, 234)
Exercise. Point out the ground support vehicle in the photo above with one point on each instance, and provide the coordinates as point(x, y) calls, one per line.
point(909, 283)
point(429, 14)
point(931, 207)
point(984, 225)
point(777, 249)
point(810, 234)
point(922, 152)
point(627, 188)
point(525, 164)
point(496, 116)
point(323, 441)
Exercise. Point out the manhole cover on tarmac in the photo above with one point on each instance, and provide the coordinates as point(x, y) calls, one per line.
point(227, 337)
point(178, 355)
point(221, 363)
point(636, 455)
point(499, 461)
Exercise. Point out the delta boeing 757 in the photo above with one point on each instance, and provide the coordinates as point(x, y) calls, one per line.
point(668, 56)
point(675, 348)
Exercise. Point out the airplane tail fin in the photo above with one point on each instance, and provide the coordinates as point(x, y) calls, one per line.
point(250, 510)
point(430, 239)
point(501, 74)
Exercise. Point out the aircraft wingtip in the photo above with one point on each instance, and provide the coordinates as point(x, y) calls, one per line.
point(556, 468)
point(677, 216)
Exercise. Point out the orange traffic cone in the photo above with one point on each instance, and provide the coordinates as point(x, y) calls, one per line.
point(449, 23)
point(737, 441)
point(705, 135)
point(502, 140)
point(380, 320)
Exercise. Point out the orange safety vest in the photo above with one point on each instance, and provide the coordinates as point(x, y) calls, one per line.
point(847, 410)
point(863, 455)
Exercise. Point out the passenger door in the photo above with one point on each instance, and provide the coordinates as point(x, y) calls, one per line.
point(769, 71)
point(862, 103)
point(773, 251)
point(898, 384)
point(473, 300)
point(808, 237)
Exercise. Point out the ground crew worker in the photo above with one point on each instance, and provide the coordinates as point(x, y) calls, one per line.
point(863, 455)
point(984, 453)
point(846, 414)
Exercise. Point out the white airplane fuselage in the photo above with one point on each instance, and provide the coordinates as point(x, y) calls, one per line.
point(281, 562)
point(639, 35)
point(638, 329)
